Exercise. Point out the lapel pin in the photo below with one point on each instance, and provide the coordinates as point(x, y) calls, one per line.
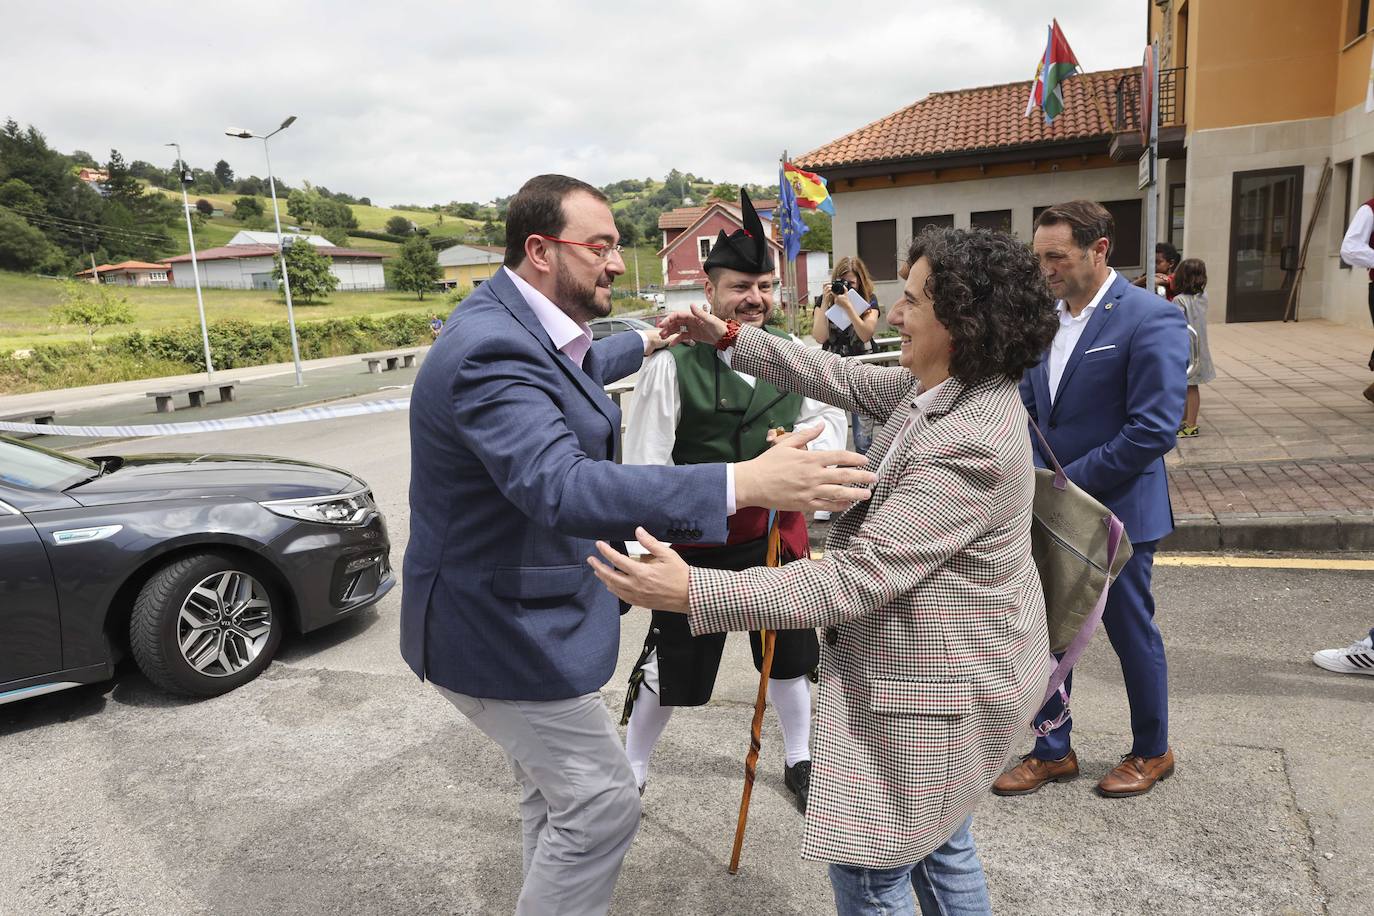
point(1109, 306)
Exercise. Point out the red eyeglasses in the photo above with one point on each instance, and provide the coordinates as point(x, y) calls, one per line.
point(603, 250)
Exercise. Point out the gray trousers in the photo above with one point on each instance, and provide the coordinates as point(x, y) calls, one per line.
point(579, 805)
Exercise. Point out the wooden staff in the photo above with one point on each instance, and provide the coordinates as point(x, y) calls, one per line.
point(751, 760)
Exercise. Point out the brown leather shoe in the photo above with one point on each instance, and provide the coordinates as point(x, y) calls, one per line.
point(1032, 773)
point(1136, 775)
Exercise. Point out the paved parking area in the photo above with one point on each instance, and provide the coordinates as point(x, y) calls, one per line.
point(336, 783)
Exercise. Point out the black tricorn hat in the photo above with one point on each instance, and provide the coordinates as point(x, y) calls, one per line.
point(746, 250)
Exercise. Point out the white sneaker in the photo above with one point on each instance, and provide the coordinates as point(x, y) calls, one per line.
point(822, 515)
point(1357, 659)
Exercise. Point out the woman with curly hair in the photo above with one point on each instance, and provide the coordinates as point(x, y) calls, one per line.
point(934, 652)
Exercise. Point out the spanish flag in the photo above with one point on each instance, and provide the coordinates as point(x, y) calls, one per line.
point(810, 189)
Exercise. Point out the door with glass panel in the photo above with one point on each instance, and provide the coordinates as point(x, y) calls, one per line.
point(1266, 206)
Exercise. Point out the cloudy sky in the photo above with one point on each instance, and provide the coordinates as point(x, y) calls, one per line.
point(410, 102)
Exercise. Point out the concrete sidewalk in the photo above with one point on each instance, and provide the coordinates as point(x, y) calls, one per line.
point(1285, 460)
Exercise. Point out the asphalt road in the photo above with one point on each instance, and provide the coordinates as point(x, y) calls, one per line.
point(336, 783)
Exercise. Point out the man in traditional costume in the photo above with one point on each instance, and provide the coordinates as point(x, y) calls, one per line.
point(690, 407)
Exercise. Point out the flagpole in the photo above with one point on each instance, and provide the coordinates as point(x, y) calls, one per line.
point(789, 268)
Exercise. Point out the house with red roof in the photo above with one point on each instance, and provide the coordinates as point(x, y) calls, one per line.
point(970, 157)
point(247, 262)
point(689, 233)
point(127, 273)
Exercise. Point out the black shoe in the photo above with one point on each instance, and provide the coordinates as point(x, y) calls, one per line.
point(797, 778)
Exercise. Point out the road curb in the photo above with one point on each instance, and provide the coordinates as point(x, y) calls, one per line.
point(1308, 534)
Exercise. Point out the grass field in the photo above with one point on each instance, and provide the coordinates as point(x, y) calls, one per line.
point(25, 302)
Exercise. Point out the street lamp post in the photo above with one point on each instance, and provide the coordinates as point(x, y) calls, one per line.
point(243, 134)
point(195, 267)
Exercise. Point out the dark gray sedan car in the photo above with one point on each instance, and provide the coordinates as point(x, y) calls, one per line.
point(195, 564)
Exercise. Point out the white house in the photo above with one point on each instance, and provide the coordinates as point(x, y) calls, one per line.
point(246, 263)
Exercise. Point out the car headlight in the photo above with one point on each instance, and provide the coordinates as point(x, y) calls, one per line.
point(344, 509)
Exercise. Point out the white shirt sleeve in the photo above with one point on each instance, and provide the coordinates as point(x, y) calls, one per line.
point(835, 436)
point(1355, 249)
point(652, 418)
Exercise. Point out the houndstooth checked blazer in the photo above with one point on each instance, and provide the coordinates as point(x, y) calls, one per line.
point(935, 651)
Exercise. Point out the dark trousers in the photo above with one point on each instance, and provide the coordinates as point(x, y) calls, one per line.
point(687, 664)
point(1371, 320)
point(1129, 620)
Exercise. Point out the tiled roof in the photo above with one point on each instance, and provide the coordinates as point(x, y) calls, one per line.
point(123, 265)
point(972, 120)
point(260, 251)
point(680, 218)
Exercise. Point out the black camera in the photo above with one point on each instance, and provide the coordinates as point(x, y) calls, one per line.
point(840, 287)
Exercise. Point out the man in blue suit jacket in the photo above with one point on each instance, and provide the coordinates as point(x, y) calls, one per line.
point(513, 479)
point(1109, 397)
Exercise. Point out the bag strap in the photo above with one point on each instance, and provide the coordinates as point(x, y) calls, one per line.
point(1063, 665)
point(1061, 479)
point(1115, 532)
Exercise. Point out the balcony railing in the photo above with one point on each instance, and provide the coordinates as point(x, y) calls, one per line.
point(1171, 87)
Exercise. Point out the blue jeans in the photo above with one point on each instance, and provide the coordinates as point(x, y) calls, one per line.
point(863, 432)
point(948, 882)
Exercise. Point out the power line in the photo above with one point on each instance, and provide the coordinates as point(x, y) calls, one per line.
point(86, 225)
point(102, 227)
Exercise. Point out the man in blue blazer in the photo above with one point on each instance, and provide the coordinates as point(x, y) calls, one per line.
point(1109, 397)
point(513, 479)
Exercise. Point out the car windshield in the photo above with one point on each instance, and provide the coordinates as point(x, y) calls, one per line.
point(36, 468)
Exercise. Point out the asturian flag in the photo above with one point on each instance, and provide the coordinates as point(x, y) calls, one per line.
point(1057, 64)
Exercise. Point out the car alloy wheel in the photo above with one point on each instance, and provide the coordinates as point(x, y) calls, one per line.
point(225, 623)
point(206, 623)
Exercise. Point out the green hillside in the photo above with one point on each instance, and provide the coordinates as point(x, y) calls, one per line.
point(25, 302)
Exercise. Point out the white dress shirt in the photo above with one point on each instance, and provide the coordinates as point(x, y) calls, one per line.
point(918, 408)
point(653, 415)
point(1355, 249)
point(568, 336)
point(1070, 329)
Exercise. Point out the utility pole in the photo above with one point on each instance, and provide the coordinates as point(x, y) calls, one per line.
point(182, 175)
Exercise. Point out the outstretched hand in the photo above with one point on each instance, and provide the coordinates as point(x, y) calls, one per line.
point(793, 479)
point(698, 325)
point(659, 580)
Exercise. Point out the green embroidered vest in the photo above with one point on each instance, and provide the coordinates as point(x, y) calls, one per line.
point(723, 419)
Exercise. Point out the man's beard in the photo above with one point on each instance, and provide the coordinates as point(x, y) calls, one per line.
point(578, 300)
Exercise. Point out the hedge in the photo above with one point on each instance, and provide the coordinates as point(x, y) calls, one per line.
point(233, 344)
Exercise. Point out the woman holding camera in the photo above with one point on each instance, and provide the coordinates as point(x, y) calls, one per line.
point(854, 339)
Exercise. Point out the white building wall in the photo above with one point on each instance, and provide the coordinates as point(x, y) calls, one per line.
point(1018, 193)
point(1214, 156)
point(237, 273)
point(358, 273)
point(222, 273)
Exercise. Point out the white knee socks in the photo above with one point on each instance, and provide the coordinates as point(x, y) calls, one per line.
point(792, 700)
point(647, 721)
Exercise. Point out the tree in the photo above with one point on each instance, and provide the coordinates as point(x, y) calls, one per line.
point(365, 201)
point(224, 173)
point(417, 268)
point(819, 233)
point(23, 247)
point(205, 207)
point(725, 191)
point(301, 207)
point(252, 186)
point(399, 225)
point(309, 271)
point(628, 229)
point(91, 305)
point(245, 207)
